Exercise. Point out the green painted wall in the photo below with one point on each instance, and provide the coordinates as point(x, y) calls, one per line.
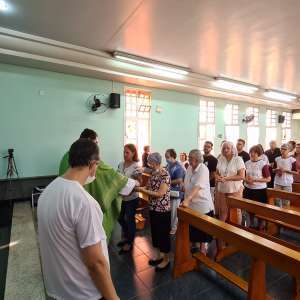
point(40, 126)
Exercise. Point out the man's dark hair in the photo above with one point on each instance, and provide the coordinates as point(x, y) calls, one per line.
point(172, 153)
point(209, 142)
point(82, 152)
point(293, 143)
point(242, 141)
point(88, 134)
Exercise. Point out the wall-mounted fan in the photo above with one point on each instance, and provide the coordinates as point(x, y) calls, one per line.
point(248, 119)
point(98, 103)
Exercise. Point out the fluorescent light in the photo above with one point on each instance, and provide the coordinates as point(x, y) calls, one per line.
point(233, 85)
point(165, 73)
point(279, 96)
point(3, 6)
point(150, 63)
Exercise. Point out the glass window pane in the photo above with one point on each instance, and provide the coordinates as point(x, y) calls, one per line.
point(286, 135)
point(232, 133)
point(131, 129)
point(227, 114)
point(271, 134)
point(252, 136)
point(137, 118)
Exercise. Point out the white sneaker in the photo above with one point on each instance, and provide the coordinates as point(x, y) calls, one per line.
point(173, 231)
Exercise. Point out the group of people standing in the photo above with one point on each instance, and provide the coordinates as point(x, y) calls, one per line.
point(202, 182)
point(77, 211)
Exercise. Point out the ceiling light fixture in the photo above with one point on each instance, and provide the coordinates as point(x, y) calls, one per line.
point(233, 85)
point(150, 63)
point(3, 6)
point(164, 73)
point(280, 96)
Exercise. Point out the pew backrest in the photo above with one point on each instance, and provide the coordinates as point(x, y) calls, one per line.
point(296, 188)
point(266, 210)
point(279, 256)
point(273, 194)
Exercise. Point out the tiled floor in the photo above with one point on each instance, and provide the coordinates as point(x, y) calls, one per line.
point(24, 276)
point(134, 279)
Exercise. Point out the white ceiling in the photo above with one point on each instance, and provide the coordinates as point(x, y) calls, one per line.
point(254, 41)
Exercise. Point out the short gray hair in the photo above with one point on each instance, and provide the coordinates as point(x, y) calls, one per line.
point(197, 154)
point(154, 157)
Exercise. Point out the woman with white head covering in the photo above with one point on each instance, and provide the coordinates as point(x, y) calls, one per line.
point(229, 177)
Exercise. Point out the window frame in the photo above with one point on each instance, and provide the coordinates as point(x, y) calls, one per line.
point(272, 125)
point(206, 123)
point(137, 118)
point(254, 124)
point(234, 121)
point(285, 127)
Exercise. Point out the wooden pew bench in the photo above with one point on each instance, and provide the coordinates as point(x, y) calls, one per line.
point(286, 216)
point(294, 198)
point(296, 188)
point(259, 248)
point(270, 212)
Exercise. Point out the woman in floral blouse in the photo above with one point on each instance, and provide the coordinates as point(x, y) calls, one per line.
point(158, 189)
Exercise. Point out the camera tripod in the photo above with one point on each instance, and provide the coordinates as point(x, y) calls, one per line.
point(11, 172)
point(11, 167)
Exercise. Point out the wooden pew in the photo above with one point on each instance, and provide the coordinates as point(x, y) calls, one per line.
point(296, 187)
point(273, 212)
point(260, 249)
point(266, 211)
point(294, 199)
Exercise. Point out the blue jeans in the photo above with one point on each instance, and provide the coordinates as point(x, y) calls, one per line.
point(127, 219)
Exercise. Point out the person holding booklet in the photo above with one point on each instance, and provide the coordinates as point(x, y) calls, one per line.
point(177, 174)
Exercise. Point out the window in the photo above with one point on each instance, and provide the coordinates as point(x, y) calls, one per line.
point(231, 118)
point(271, 129)
point(206, 122)
point(286, 127)
point(252, 127)
point(137, 118)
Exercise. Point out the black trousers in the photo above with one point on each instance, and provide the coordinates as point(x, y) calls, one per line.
point(259, 195)
point(160, 223)
point(127, 219)
point(198, 236)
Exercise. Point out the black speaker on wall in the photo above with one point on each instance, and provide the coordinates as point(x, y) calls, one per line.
point(114, 100)
point(281, 119)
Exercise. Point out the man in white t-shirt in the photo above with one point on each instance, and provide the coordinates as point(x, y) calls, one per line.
point(72, 240)
point(285, 168)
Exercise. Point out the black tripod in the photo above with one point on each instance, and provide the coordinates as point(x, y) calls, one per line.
point(11, 166)
point(11, 172)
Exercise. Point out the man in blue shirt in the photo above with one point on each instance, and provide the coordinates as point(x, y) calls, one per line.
point(177, 174)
